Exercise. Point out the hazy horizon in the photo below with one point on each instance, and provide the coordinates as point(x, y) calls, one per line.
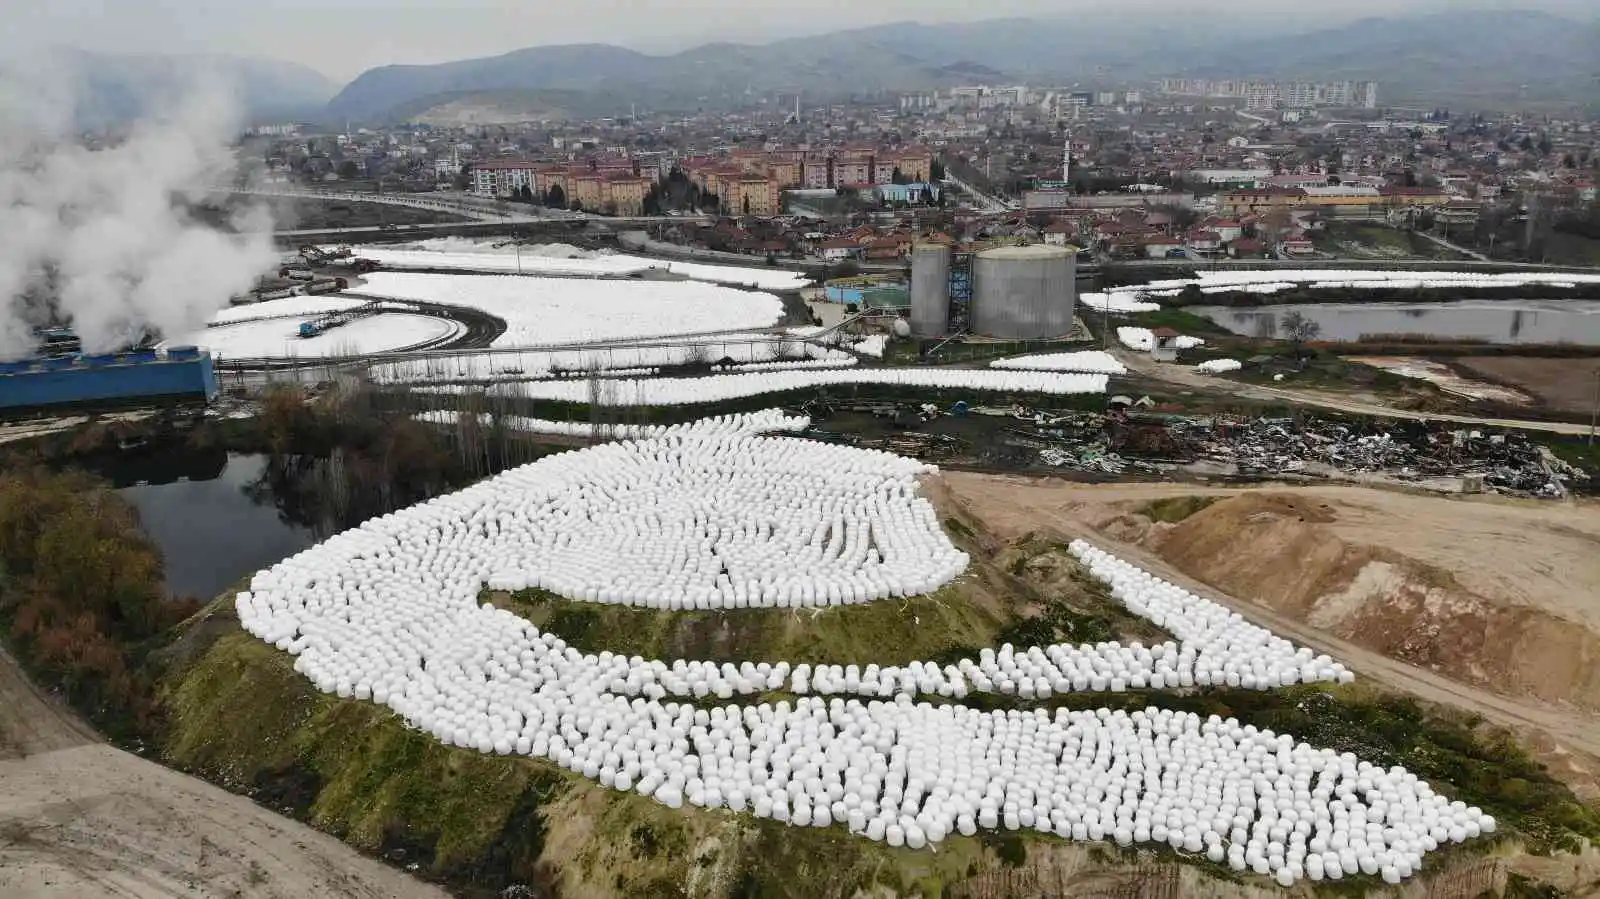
point(343, 38)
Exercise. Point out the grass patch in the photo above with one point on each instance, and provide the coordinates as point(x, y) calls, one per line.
point(1175, 508)
point(243, 716)
point(1178, 320)
point(1576, 451)
point(890, 631)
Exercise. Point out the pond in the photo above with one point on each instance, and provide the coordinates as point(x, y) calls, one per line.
point(1492, 321)
point(215, 525)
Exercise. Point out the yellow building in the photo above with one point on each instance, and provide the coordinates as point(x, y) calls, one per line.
point(915, 164)
point(627, 194)
point(587, 188)
point(752, 195)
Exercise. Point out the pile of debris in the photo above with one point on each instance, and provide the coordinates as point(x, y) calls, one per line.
point(1405, 450)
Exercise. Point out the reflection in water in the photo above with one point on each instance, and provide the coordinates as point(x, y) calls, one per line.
point(325, 495)
point(209, 532)
point(218, 517)
point(161, 466)
point(1503, 321)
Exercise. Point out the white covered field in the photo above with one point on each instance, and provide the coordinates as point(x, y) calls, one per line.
point(715, 515)
point(278, 338)
point(561, 259)
point(305, 307)
point(749, 350)
point(720, 388)
point(545, 311)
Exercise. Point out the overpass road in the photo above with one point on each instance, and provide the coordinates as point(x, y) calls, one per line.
point(476, 209)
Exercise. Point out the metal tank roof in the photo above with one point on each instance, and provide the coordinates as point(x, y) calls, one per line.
point(1031, 252)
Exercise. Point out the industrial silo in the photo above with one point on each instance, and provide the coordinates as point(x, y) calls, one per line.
point(1024, 292)
point(930, 289)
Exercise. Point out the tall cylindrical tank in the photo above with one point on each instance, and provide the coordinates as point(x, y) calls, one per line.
point(1024, 292)
point(930, 289)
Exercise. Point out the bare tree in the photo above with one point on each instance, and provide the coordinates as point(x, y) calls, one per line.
point(784, 347)
point(696, 353)
point(1298, 329)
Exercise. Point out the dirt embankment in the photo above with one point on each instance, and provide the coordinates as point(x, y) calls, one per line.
point(1289, 551)
point(80, 819)
point(1528, 555)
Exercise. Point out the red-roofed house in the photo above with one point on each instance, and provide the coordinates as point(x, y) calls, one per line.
point(1204, 243)
point(840, 249)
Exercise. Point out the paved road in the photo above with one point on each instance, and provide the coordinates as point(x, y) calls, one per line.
point(1454, 248)
point(986, 203)
point(1186, 376)
point(477, 209)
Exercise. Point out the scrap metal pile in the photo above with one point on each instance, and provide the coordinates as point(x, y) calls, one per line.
point(1405, 450)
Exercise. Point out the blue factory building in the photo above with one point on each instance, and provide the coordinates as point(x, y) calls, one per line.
point(179, 373)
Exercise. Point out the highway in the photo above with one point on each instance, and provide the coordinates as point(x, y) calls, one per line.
point(476, 209)
point(986, 203)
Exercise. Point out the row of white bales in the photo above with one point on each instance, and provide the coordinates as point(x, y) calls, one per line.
point(715, 515)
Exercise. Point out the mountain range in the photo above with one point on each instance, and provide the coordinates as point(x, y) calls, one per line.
point(1472, 59)
point(115, 87)
point(1469, 57)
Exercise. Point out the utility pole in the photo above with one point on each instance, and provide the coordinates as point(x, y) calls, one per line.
point(1594, 416)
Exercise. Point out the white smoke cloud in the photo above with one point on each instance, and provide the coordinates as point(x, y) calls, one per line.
point(106, 230)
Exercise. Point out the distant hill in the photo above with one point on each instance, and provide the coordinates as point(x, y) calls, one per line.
point(116, 88)
point(464, 108)
point(885, 57)
point(1489, 56)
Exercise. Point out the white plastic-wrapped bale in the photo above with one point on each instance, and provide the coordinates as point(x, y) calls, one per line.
point(1218, 366)
point(388, 613)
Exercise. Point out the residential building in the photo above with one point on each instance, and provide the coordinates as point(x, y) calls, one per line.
point(1261, 95)
point(1059, 233)
point(625, 195)
point(818, 173)
point(853, 169)
point(839, 249)
point(1204, 243)
point(503, 177)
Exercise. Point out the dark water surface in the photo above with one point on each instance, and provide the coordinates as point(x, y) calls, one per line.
point(215, 524)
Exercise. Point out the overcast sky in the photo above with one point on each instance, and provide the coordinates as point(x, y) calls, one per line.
point(342, 38)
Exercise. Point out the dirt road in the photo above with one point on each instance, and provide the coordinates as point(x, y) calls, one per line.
point(1186, 376)
point(1012, 506)
point(81, 820)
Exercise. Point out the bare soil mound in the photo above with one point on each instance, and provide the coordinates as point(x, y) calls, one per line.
point(1288, 551)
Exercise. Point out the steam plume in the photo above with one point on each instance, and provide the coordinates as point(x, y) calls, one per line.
point(103, 237)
